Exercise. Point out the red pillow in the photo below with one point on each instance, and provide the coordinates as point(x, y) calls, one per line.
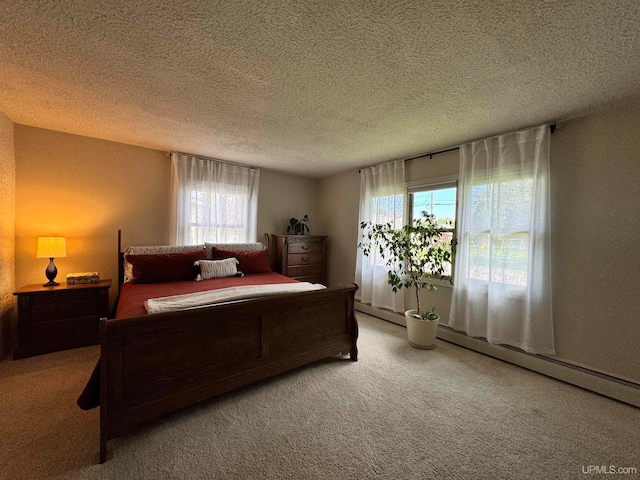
point(250, 262)
point(164, 267)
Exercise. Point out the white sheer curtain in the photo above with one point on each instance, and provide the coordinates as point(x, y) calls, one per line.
point(213, 201)
point(382, 199)
point(502, 281)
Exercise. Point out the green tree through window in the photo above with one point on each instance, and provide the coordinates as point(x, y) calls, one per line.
point(440, 201)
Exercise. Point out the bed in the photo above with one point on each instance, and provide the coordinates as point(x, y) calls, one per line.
point(154, 364)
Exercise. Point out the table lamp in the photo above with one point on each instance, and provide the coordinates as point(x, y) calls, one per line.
point(51, 247)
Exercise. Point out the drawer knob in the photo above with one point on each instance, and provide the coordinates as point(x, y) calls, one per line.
point(304, 247)
point(304, 259)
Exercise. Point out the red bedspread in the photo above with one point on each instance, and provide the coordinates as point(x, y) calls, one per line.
point(133, 296)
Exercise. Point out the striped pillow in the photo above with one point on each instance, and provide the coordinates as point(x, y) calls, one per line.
point(217, 268)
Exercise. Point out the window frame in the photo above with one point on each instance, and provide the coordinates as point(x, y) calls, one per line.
point(432, 184)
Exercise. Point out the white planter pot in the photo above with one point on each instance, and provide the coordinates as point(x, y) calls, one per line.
point(421, 333)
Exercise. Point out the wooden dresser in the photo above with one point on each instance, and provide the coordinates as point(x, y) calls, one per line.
point(61, 317)
point(300, 256)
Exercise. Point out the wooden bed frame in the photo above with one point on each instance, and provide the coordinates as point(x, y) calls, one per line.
point(153, 365)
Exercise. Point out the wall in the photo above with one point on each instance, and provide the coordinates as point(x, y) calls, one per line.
point(595, 201)
point(339, 196)
point(284, 196)
point(7, 234)
point(86, 189)
point(595, 198)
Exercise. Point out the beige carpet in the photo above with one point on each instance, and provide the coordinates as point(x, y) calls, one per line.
point(397, 413)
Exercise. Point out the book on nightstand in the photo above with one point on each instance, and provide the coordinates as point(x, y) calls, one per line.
point(84, 277)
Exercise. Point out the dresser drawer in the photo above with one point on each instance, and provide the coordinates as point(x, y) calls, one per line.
point(55, 307)
point(304, 258)
point(304, 270)
point(305, 247)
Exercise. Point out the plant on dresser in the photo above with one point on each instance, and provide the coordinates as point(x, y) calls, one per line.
point(300, 256)
point(297, 227)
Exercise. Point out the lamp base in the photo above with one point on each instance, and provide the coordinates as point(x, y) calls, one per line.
point(51, 273)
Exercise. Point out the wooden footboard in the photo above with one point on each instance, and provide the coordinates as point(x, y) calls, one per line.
point(155, 364)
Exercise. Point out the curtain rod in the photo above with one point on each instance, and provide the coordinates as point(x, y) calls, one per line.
point(212, 159)
point(552, 128)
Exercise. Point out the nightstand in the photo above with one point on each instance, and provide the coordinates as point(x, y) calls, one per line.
point(61, 317)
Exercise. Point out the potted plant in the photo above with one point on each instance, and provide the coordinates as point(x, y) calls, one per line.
point(416, 254)
point(297, 227)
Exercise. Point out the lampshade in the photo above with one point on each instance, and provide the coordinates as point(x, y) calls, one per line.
point(51, 247)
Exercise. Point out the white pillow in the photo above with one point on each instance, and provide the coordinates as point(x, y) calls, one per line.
point(217, 268)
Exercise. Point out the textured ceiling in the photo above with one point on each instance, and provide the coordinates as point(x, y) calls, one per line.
point(307, 86)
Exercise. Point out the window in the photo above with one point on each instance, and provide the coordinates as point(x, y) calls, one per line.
point(438, 200)
point(214, 201)
point(382, 200)
point(386, 209)
point(499, 230)
point(503, 266)
point(218, 214)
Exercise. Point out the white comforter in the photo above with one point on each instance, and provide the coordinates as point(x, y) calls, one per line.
point(210, 297)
